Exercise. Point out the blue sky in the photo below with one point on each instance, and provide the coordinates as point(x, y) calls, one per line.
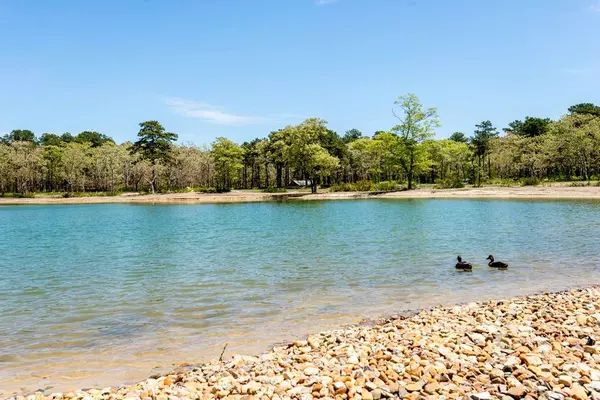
point(241, 68)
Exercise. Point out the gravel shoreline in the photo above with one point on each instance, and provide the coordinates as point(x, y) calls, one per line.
point(533, 347)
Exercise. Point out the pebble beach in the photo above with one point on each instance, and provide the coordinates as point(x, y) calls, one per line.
point(533, 347)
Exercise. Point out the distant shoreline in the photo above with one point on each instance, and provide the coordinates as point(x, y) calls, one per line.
point(551, 192)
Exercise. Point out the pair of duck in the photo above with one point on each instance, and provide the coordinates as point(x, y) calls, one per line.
point(465, 266)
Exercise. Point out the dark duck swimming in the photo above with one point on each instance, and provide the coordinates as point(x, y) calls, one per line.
point(496, 264)
point(463, 265)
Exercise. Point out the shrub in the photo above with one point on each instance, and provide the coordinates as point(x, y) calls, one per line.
point(579, 184)
point(28, 195)
point(223, 190)
point(364, 186)
point(502, 182)
point(342, 187)
point(388, 186)
point(274, 189)
point(450, 183)
point(207, 190)
point(530, 181)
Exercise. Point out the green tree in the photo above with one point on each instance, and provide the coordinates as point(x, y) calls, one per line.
point(585, 108)
point(154, 145)
point(299, 151)
point(51, 162)
point(106, 163)
point(484, 133)
point(530, 127)
point(24, 159)
point(67, 137)
point(352, 135)
point(416, 125)
point(74, 163)
point(50, 139)
point(576, 144)
point(228, 157)
point(319, 163)
point(19, 135)
point(277, 151)
point(458, 137)
point(6, 169)
point(95, 139)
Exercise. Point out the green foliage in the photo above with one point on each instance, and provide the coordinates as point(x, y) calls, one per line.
point(50, 139)
point(484, 133)
point(360, 186)
point(206, 190)
point(95, 139)
point(530, 127)
point(19, 135)
point(342, 187)
point(67, 137)
point(352, 135)
point(458, 137)
point(530, 181)
point(450, 183)
point(154, 143)
point(388, 186)
point(27, 195)
point(416, 125)
point(582, 184)
point(227, 157)
point(585, 108)
point(503, 182)
point(273, 189)
point(364, 186)
point(562, 150)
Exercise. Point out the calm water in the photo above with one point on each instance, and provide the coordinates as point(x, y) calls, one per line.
point(97, 295)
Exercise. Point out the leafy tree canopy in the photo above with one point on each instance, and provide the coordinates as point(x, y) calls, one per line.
point(50, 139)
point(530, 127)
point(352, 135)
point(585, 108)
point(458, 137)
point(95, 139)
point(154, 143)
point(19, 135)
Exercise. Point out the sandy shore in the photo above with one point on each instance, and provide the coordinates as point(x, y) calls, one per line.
point(528, 192)
point(534, 347)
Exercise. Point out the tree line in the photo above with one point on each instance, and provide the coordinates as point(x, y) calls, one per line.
point(402, 156)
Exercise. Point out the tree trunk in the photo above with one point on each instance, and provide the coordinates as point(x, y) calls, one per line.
point(410, 171)
point(267, 175)
point(479, 170)
point(153, 182)
point(245, 182)
point(279, 168)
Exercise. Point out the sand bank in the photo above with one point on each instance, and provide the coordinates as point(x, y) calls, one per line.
point(528, 192)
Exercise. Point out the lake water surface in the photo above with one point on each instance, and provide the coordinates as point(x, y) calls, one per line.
point(98, 295)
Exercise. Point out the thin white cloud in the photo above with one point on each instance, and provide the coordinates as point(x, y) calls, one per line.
point(216, 115)
point(325, 2)
point(595, 7)
point(209, 113)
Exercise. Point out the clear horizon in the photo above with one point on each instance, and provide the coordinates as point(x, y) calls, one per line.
point(242, 69)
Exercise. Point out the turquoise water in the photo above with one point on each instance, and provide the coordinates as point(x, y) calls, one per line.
point(97, 295)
